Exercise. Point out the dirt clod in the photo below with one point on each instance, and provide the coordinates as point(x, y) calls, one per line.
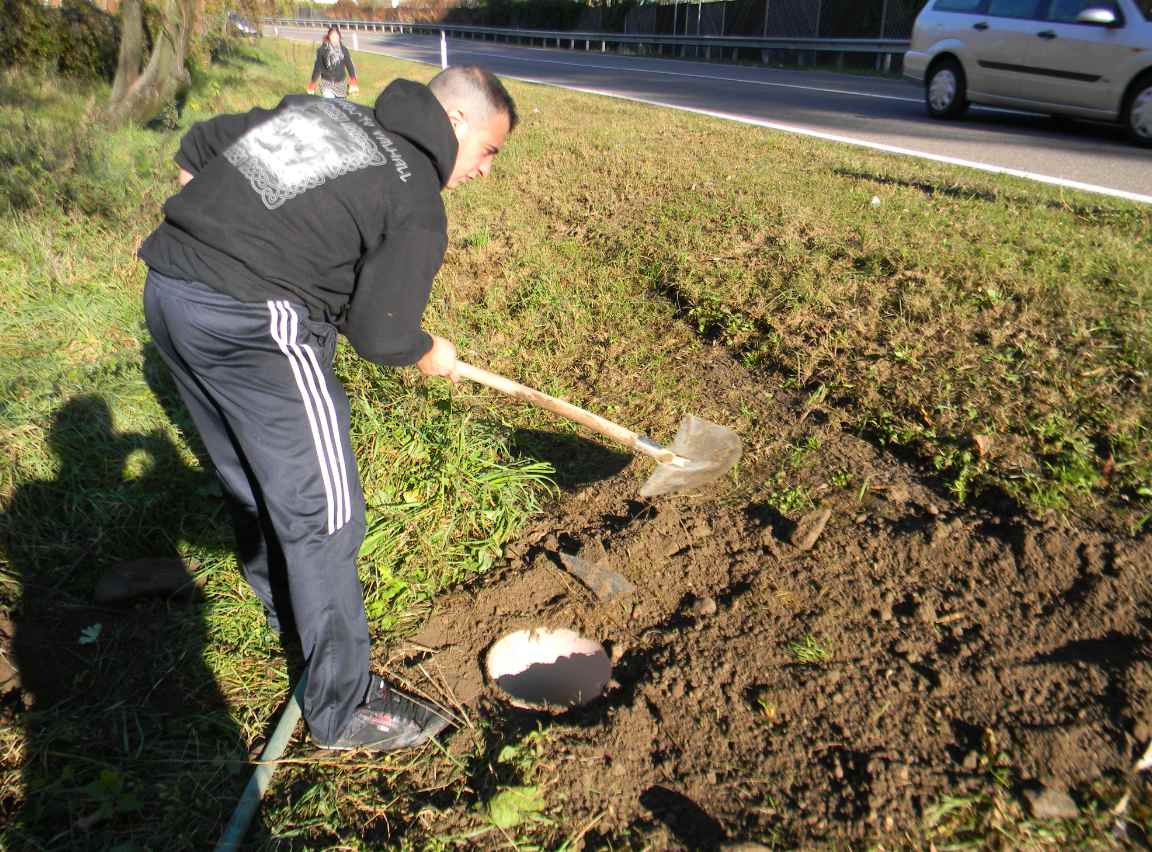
point(1049, 803)
point(810, 528)
point(705, 607)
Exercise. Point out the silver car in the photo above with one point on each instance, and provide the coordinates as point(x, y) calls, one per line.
point(1085, 58)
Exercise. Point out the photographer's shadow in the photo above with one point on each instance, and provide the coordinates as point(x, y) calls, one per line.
point(124, 723)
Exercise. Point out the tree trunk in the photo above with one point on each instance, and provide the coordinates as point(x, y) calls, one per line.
point(131, 49)
point(165, 76)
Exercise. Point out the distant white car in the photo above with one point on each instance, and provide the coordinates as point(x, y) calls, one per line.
point(1084, 58)
point(241, 25)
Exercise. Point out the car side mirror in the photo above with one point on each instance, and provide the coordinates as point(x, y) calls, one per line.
point(1101, 16)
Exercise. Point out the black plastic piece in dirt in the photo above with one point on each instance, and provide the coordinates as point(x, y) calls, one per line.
point(568, 682)
point(576, 460)
point(691, 824)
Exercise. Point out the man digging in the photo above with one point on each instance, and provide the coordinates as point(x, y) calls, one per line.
point(293, 224)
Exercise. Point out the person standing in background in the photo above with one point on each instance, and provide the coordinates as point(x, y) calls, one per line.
point(333, 68)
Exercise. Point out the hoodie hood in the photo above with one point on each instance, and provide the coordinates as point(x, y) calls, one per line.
point(410, 110)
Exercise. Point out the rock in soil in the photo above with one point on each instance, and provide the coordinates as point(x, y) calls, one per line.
point(809, 529)
point(1048, 803)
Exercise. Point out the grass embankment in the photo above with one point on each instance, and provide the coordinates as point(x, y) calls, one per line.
point(961, 307)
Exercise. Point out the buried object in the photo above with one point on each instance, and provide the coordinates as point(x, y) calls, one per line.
point(701, 452)
point(544, 669)
point(605, 583)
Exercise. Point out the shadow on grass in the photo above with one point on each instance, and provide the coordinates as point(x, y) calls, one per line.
point(1091, 214)
point(22, 97)
point(231, 53)
point(576, 460)
point(128, 742)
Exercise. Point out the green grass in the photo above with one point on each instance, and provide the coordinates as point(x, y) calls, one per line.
point(809, 652)
point(613, 248)
point(100, 466)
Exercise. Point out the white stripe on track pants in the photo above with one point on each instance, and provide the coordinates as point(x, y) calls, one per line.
point(257, 380)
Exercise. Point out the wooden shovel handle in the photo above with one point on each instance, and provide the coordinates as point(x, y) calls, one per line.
point(556, 405)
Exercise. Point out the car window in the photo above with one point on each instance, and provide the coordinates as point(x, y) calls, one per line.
point(1013, 8)
point(1065, 11)
point(962, 5)
point(1145, 6)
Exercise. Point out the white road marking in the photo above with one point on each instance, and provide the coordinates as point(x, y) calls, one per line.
point(703, 77)
point(719, 79)
point(805, 131)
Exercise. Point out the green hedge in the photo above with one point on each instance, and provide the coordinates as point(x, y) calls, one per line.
point(77, 40)
point(89, 41)
point(28, 38)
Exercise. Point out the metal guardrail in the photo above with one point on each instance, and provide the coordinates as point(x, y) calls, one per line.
point(883, 49)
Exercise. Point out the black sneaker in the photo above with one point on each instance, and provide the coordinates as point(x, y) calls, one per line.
point(389, 720)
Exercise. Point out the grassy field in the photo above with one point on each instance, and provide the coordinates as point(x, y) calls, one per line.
point(996, 332)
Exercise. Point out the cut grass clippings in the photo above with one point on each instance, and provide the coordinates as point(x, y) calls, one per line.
point(997, 331)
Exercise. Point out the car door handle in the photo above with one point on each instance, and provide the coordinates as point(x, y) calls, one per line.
point(1046, 34)
point(980, 26)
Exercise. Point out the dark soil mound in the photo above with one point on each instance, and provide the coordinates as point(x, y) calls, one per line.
point(915, 650)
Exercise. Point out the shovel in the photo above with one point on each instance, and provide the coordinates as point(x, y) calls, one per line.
point(701, 452)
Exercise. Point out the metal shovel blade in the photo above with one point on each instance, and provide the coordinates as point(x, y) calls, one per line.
point(709, 451)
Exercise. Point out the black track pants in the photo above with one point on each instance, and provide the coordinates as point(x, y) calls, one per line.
point(257, 380)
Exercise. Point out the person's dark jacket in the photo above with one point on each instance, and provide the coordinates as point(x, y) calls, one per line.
point(335, 71)
point(326, 202)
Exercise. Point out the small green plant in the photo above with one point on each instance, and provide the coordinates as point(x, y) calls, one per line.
point(803, 449)
point(525, 756)
point(989, 297)
point(478, 238)
point(790, 499)
point(963, 469)
point(840, 478)
point(809, 652)
point(765, 706)
point(111, 796)
point(511, 806)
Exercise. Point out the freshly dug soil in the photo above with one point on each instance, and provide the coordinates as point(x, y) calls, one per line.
point(956, 641)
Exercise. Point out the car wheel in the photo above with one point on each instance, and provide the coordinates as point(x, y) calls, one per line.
point(1138, 111)
point(945, 90)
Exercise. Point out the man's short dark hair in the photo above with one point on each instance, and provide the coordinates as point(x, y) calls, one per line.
point(471, 84)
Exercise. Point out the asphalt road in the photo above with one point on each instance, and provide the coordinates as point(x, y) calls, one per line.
point(877, 112)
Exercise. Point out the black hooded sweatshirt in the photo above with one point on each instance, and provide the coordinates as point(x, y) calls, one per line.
point(323, 201)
